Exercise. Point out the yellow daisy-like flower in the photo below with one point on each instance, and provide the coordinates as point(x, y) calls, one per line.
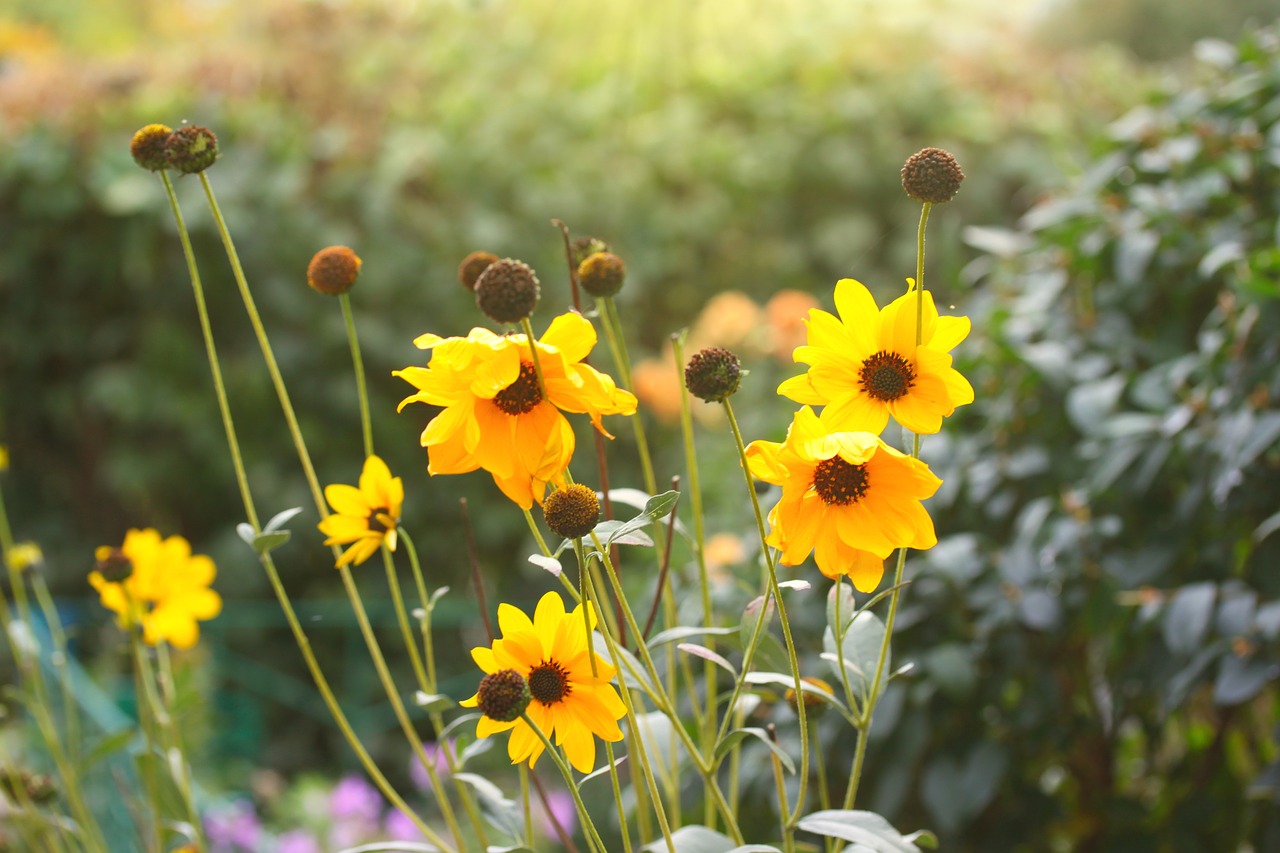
point(366, 516)
point(157, 584)
point(571, 705)
point(865, 365)
point(846, 496)
point(496, 417)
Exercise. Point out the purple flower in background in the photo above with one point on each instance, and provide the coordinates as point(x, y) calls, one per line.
point(560, 804)
point(353, 798)
point(234, 827)
point(400, 827)
point(297, 841)
point(435, 752)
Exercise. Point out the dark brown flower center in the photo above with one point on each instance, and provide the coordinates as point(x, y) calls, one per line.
point(375, 524)
point(838, 482)
point(549, 682)
point(115, 567)
point(886, 376)
point(523, 394)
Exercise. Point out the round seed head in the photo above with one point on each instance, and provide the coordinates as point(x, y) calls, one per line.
point(191, 149)
point(113, 565)
point(333, 270)
point(932, 175)
point(602, 274)
point(572, 512)
point(503, 695)
point(148, 147)
point(507, 291)
point(472, 266)
point(713, 374)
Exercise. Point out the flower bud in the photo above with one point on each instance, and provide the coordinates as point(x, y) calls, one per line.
point(602, 274)
point(507, 291)
point(713, 374)
point(472, 266)
point(572, 512)
point(503, 695)
point(191, 149)
point(148, 147)
point(932, 176)
point(333, 270)
point(584, 247)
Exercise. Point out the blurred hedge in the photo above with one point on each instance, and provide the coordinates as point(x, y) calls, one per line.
point(740, 148)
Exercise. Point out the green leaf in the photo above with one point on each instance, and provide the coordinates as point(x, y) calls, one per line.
point(847, 608)
point(617, 762)
point(861, 827)
point(465, 718)
point(433, 701)
point(263, 542)
point(109, 745)
point(694, 839)
point(736, 736)
point(167, 797)
point(706, 654)
point(280, 519)
point(861, 649)
point(504, 814)
point(680, 632)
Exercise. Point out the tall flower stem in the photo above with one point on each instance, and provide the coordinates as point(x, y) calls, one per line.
point(779, 783)
point(709, 674)
point(362, 391)
point(168, 696)
point(788, 836)
point(877, 679)
point(251, 513)
point(584, 816)
point(636, 744)
point(31, 667)
point(533, 350)
point(151, 742)
point(70, 707)
point(702, 764)
point(618, 349)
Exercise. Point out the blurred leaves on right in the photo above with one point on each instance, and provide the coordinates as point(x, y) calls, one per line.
point(1098, 655)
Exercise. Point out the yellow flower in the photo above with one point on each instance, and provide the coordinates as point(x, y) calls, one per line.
point(366, 516)
point(158, 584)
point(570, 705)
point(24, 555)
point(865, 366)
point(847, 496)
point(4, 458)
point(495, 416)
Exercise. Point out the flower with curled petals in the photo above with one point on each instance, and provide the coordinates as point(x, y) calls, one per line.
point(572, 702)
point(364, 517)
point(865, 365)
point(498, 417)
point(847, 497)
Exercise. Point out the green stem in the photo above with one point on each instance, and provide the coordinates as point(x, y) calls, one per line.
point(185, 782)
point(70, 707)
point(533, 349)
point(859, 754)
point(710, 674)
point(584, 816)
point(788, 837)
point(528, 806)
point(146, 721)
point(264, 344)
point(362, 392)
point(242, 480)
point(617, 795)
point(402, 619)
point(618, 349)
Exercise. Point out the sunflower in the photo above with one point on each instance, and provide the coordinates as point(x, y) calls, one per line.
point(866, 366)
point(846, 496)
point(366, 516)
point(497, 417)
point(157, 584)
point(571, 704)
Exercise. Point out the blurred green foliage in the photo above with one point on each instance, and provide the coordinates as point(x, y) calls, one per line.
point(1076, 681)
point(1097, 654)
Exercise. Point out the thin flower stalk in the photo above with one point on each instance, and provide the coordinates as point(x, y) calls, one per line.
point(663, 701)
point(267, 562)
point(860, 750)
point(186, 784)
point(40, 709)
point(146, 721)
point(788, 837)
point(792, 659)
point(362, 391)
point(584, 816)
point(709, 674)
point(57, 633)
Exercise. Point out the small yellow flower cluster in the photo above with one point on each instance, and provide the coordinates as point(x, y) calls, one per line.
point(157, 584)
point(847, 496)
